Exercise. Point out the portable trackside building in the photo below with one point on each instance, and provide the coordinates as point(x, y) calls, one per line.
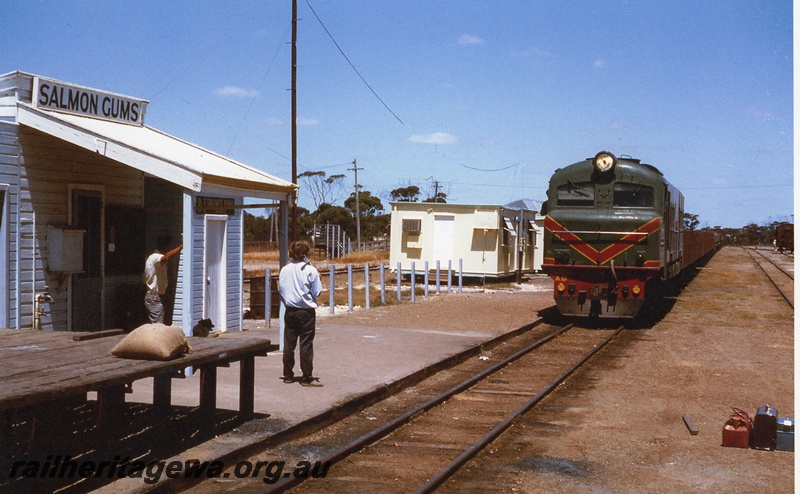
point(87, 189)
point(488, 239)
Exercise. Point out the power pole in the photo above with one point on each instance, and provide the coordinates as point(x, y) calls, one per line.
point(435, 188)
point(358, 206)
point(294, 117)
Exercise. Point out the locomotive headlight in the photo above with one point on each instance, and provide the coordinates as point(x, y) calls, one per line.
point(636, 290)
point(604, 161)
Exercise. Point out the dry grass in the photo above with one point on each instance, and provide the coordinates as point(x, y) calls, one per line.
point(256, 263)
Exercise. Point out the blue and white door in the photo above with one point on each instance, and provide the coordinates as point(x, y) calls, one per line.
point(214, 299)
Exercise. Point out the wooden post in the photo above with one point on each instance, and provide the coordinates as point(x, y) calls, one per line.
point(110, 407)
point(162, 395)
point(208, 395)
point(247, 387)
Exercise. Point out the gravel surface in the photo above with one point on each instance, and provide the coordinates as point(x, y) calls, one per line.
point(617, 425)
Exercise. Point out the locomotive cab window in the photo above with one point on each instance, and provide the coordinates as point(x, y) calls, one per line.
point(628, 195)
point(571, 194)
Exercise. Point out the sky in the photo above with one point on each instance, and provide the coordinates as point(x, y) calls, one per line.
point(484, 98)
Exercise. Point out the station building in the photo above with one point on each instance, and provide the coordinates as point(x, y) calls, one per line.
point(87, 191)
point(490, 241)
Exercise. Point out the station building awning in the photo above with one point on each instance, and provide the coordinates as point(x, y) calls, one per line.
point(154, 152)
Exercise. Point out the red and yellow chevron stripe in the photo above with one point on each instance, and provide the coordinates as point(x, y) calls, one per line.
point(601, 257)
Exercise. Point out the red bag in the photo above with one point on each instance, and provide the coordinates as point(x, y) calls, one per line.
point(736, 432)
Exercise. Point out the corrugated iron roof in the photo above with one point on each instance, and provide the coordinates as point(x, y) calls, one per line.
point(152, 151)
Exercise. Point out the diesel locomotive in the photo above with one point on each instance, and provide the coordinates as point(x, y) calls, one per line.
point(613, 235)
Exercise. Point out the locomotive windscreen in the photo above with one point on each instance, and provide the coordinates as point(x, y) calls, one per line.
point(628, 195)
point(581, 194)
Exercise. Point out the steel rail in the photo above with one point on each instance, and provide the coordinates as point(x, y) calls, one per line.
point(380, 432)
point(490, 436)
point(774, 283)
point(790, 275)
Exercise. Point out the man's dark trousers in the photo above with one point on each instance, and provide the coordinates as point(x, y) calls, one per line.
point(299, 324)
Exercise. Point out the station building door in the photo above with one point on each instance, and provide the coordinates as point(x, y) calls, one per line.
point(215, 296)
point(87, 286)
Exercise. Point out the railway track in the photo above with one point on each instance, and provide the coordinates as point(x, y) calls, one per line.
point(420, 446)
point(421, 449)
point(780, 277)
point(437, 426)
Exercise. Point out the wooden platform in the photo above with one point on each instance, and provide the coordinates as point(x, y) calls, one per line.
point(41, 367)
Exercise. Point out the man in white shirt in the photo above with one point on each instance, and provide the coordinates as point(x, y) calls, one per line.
point(156, 279)
point(299, 286)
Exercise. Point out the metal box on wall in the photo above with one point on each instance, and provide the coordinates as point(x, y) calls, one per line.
point(64, 249)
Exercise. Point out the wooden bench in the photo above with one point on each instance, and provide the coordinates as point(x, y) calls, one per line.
point(40, 367)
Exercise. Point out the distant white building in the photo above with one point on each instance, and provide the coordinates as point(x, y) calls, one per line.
point(491, 241)
point(86, 189)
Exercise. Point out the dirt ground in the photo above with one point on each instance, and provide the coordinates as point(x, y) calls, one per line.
point(617, 426)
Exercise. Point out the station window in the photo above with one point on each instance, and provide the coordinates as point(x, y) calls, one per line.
point(509, 232)
point(412, 225)
point(628, 195)
point(571, 194)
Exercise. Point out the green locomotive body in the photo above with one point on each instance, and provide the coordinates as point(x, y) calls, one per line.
point(613, 226)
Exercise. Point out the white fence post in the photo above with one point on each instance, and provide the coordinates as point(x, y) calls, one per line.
point(332, 287)
point(399, 296)
point(366, 283)
point(413, 281)
point(426, 278)
point(438, 281)
point(383, 285)
point(349, 288)
point(460, 274)
point(449, 275)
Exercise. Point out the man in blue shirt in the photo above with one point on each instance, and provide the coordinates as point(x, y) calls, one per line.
point(299, 286)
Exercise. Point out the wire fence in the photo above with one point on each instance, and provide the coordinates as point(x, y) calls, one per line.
point(351, 286)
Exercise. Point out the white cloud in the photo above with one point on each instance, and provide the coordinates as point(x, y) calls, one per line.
point(307, 122)
point(274, 122)
point(469, 39)
point(531, 53)
point(599, 63)
point(435, 138)
point(236, 92)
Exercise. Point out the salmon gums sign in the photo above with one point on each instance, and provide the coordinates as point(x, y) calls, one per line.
point(86, 102)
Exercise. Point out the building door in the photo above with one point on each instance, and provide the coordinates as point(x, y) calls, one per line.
point(87, 286)
point(215, 271)
point(443, 239)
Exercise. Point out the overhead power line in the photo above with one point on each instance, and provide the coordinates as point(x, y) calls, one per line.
point(351, 63)
point(490, 170)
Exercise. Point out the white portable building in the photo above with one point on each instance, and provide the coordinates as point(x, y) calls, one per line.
point(486, 241)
